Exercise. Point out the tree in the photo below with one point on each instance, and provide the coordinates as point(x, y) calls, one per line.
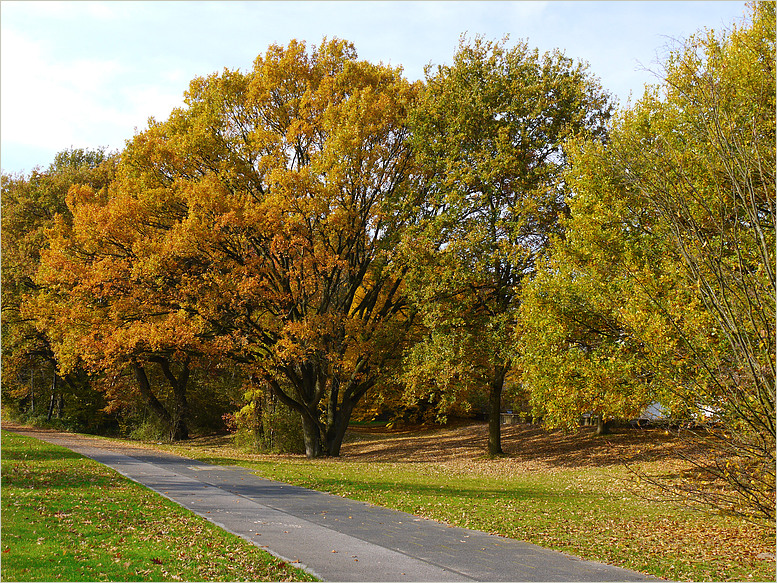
point(267, 213)
point(689, 179)
point(490, 128)
point(30, 205)
point(713, 136)
point(105, 304)
point(590, 338)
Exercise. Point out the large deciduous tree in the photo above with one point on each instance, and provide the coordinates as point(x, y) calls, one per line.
point(262, 220)
point(490, 130)
point(105, 303)
point(591, 340)
point(684, 192)
point(30, 206)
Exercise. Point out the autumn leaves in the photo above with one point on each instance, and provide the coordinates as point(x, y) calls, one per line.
point(341, 235)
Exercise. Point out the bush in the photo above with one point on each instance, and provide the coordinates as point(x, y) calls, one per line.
point(266, 424)
point(150, 429)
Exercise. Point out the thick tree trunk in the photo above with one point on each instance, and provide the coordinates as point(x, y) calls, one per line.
point(321, 438)
point(602, 426)
point(336, 429)
point(495, 408)
point(179, 429)
point(312, 436)
point(153, 404)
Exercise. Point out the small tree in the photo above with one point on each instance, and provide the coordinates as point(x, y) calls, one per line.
point(709, 174)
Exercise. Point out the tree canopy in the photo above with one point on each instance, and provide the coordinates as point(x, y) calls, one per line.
point(260, 223)
point(664, 287)
point(317, 232)
point(31, 205)
point(490, 131)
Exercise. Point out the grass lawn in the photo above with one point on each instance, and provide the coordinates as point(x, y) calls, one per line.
point(593, 509)
point(68, 518)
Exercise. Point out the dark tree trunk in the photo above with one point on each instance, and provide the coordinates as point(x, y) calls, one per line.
point(495, 408)
point(153, 404)
point(32, 390)
point(312, 437)
point(311, 432)
point(53, 401)
point(336, 429)
point(179, 429)
point(321, 437)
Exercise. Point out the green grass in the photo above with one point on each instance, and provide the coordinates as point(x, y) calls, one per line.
point(596, 514)
point(68, 518)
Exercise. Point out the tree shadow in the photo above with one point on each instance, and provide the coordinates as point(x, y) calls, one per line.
point(580, 448)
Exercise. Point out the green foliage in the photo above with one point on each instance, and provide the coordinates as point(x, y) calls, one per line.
point(147, 428)
point(577, 354)
point(266, 424)
point(490, 130)
point(663, 287)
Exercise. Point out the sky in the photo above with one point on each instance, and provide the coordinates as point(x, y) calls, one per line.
point(90, 74)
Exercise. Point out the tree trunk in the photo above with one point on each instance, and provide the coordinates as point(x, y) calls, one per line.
point(311, 433)
point(335, 431)
point(257, 425)
point(321, 438)
point(179, 429)
point(53, 401)
point(32, 390)
point(602, 426)
point(495, 408)
point(153, 404)
point(312, 436)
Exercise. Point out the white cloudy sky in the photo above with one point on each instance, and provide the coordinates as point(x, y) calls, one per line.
point(87, 74)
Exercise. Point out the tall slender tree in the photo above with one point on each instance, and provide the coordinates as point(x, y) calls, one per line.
point(490, 129)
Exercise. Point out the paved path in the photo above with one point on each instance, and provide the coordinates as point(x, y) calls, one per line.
point(332, 537)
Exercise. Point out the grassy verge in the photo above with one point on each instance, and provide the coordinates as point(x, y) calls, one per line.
point(68, 518)
point(598, 513)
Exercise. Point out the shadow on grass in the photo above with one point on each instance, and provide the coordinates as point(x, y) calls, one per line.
point(365, 485)
point(522, 443)
point(18, 447)
point(431, 492)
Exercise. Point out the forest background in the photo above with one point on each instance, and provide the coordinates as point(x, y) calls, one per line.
point(318, 241)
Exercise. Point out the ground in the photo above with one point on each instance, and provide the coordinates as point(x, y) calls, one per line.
point(685, 546)
point(526, 446)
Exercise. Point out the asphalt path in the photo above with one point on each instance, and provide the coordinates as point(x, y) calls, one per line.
point(334, 538)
